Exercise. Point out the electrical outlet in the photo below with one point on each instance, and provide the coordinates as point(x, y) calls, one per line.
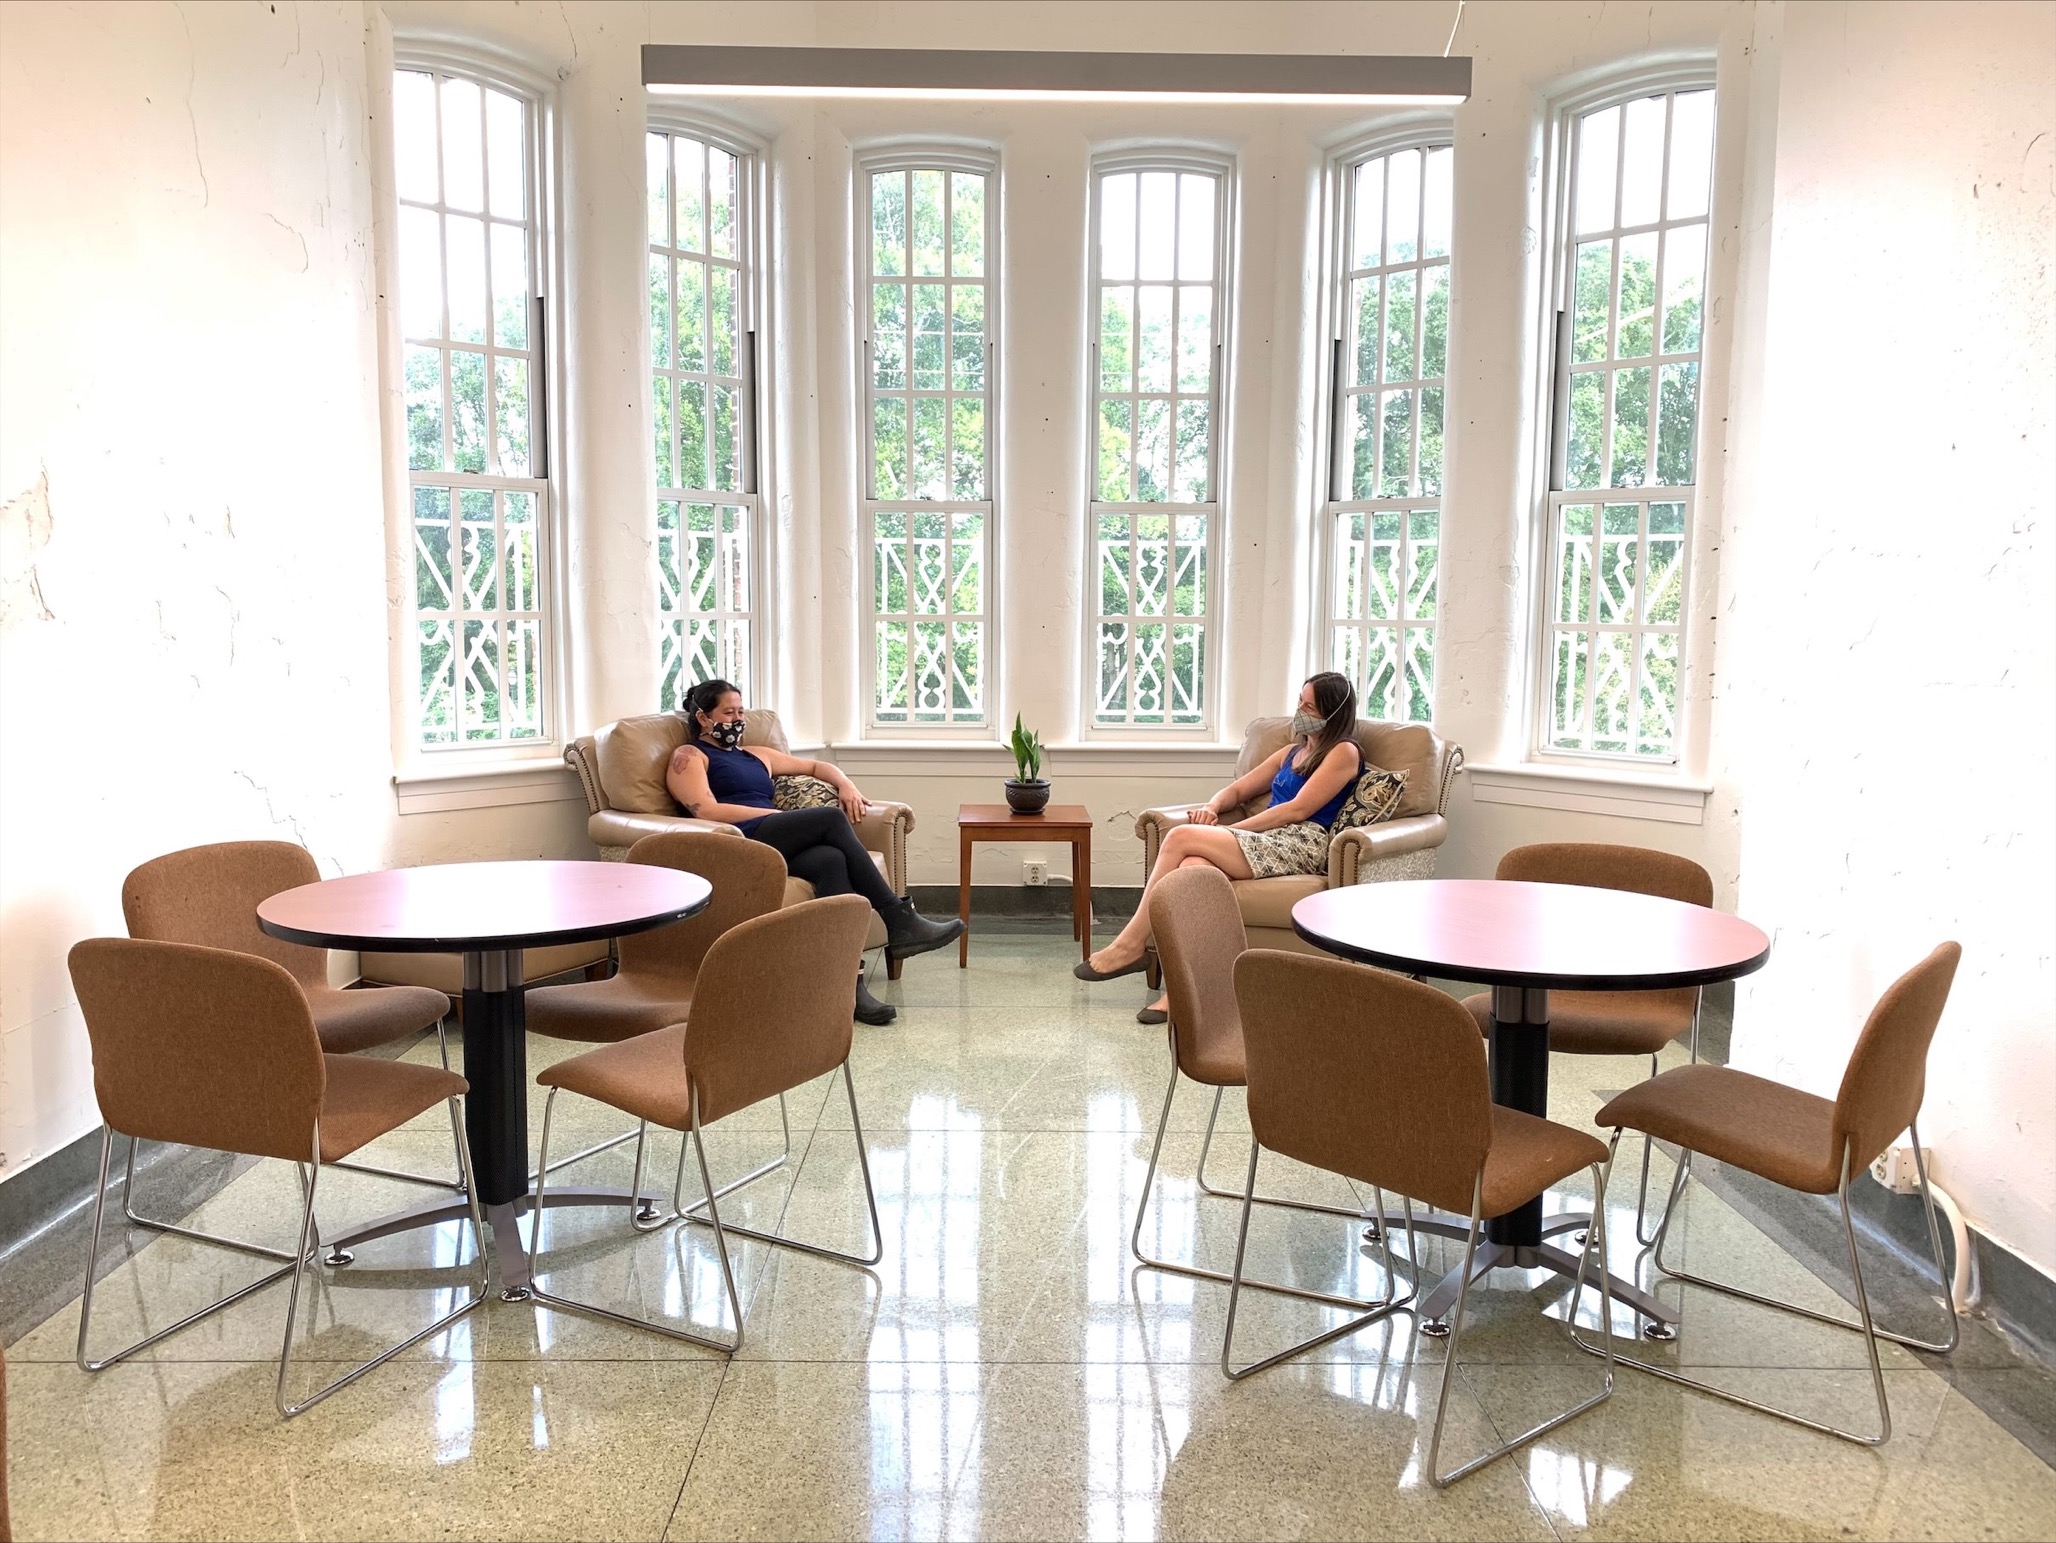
point(1034, 873)
point(1894, 1168)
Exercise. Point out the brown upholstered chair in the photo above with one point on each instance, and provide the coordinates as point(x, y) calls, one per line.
point(1383, 1080)
point(1402, 847)
point(621, 768)
point(653, 987)
point(208, 896)
point(1811, 1144)
point(212, 1048)
point(770, 1012)
point(1198, 931)
point(1612, 1022)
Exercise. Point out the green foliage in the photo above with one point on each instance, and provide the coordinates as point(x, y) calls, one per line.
point(1027, 747)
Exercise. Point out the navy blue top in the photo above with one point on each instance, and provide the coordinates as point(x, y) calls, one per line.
point(1286, 785)
point(737, 777)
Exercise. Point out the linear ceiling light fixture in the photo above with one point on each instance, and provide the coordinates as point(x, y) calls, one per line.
point(948, 74)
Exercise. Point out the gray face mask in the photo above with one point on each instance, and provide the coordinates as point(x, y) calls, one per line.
point(1307, 725)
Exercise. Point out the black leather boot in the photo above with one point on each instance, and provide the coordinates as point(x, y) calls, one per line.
point(908, 932)
point(869, 1009)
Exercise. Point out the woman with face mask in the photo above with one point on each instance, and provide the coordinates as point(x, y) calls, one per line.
point(714, 776)
point(1309, 781)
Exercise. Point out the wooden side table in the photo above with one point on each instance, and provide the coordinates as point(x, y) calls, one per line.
point(1058, 822)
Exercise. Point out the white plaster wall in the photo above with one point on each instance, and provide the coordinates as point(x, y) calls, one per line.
point(1891, 691)
point(193, 601)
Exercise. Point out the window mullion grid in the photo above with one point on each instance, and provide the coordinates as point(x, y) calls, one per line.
point(1656, 319)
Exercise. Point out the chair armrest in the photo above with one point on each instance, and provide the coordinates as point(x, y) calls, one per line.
point(614, 831)
point(1152, 825)
point(884, 829)
point(1353, 852)
point(579, 756)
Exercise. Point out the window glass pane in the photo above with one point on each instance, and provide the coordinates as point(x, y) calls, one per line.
point(1637, 331)
point(1116, 321)
point(721, 225)
point(967, 225)
point(1191, 469)
point(1399, 325)
point(1156, 220)
point(1593, 302)
point(463, 146)
point(510, 286)
point(931, 473)
point(1403, 206)
point(1114, 451)
point(1397, 444)
point(506, 155)
point(1153, 337)
point(689, 188)
point(467, 410)
point(1642, 161)
point(967, 448)
point(657, 183)
point(1367, 243)
point(1691, 154)
point(465, 244)
point(1598, 155)
point(1438, 192)
point(1195, 337)
point(423, 368)
point(1117, 226)
point(889, 222)
point(692, 316)
point(1678, 425)
point(693, 468)
point(1587, 430)
point(510, 416)
point(927, 337)
point(927, 222)
point(1152, 450)
point(1630, 427)
point(889, 448)
point(1195, 227)
point(421, 273)
point(1365, 321)
point(1435, 322)
point(1684, 275)
point(414, 135)
point(967, 338)
point(721, 320)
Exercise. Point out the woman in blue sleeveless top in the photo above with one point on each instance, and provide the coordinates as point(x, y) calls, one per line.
point(714, 776)
point(1309, 781)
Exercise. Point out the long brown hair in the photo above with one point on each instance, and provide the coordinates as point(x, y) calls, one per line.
point(1335, 699)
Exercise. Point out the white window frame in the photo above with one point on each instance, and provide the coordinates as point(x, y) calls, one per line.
point(1557, 316)
point(545, 383)
point(972, 161)
point(753, 301)
point(1090, 728)
point(1335, 437)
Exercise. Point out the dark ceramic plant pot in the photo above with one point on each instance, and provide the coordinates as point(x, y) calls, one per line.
point(1027, 797)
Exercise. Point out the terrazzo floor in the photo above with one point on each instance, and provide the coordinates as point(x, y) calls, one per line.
point(1006, 1371)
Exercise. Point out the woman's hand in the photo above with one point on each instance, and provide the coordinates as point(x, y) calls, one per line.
point(853, 803)
point(1203, 815)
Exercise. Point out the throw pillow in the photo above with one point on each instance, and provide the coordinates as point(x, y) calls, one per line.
point(802, 793)
point(1376, 794)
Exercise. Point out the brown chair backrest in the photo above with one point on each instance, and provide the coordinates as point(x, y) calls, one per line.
point(209, 895)
point(1365, 1074)
point(1428, 759)
point(773, 1004)
point(631, 756)
point(748, 879)
point(204, 1046)
point(1886, 1079)
point(1199, 936)
point(1598, 865)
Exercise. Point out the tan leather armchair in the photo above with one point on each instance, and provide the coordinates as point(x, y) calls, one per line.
point(1402, 847)
point(621, 767)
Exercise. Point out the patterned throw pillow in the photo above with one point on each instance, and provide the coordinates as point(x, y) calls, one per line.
point(1372, 800)
point(802, 793)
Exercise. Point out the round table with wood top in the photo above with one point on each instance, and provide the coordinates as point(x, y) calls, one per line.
point(489, 913)
point(1524, 940)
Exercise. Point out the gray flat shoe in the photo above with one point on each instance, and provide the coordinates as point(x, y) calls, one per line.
point(1152, 1015)
point(1084, 971)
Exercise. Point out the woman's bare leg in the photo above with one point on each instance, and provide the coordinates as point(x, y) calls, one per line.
point(1186, 846)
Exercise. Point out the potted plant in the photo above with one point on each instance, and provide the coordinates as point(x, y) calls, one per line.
point(1028, 792)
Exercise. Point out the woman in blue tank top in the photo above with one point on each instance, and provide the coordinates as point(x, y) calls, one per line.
point(714, 776)
point(1309, 780)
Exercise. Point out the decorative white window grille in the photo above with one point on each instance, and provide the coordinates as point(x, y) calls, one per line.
point(703, 348)
point(468, 154)
point(1623, 473)
point(1390, 353)
point(1158, 261)
point(928, 402)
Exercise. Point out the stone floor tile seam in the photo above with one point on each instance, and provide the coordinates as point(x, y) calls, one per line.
point(699, 1440)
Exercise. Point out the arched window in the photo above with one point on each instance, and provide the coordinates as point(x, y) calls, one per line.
point(1389, 348)
point(469, 164)
point(1634, 173)
point(704, 327)
point(1159, 289)
point(929, 271)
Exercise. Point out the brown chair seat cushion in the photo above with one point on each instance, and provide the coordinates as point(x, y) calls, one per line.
point(605, 1012)
point(364, 1097)
point(1530, 1154)
point(643, 1077)
point(1776, 1132)
point(1606, 1022)
point(1269, 902)
point(348, 1021)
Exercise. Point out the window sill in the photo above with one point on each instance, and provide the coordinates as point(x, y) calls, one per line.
point(1097, 758)
point(484, 784)
point(1592, 790)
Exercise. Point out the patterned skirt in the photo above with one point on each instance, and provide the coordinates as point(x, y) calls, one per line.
point(1288, 850)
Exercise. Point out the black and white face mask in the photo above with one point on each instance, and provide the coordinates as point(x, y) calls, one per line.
point(726, 735)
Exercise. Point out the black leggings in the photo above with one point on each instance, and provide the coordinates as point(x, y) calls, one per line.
point(820, 846)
